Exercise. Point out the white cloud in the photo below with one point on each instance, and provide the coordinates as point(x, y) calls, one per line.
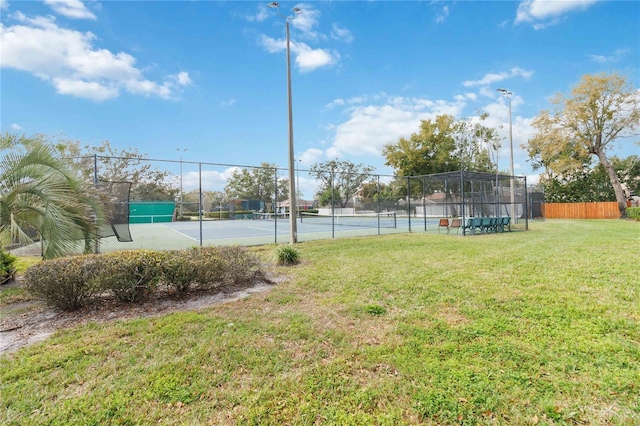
point(310, 156)
point(306, 58)
point(211, 179)
point(69, 61)
point(533, 179)
point(71, 9)
point(614, 57)
point(16, 127)
point(543, 13)
point(4, 5)
point(492, 78)
point(341, 34)
point(464, 97)
point(306, 21)
point(370, 127)
point(522, 130)
point(261, 14)
point(83, 89)
point(444, 13)
point(183, 78)
point(309, 59)
point(373, 123)
point(228, 103)
point(334, 103)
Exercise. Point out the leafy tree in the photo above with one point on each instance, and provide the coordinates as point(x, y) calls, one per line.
point(578, 187)
point(383, 196)
point(210, 199)
point(589, 185)
point(344, 177)
point(148, 183)
point(41, 196)
point(256, 183)
point(443, 145)
point(369, 190)
point(600, 109)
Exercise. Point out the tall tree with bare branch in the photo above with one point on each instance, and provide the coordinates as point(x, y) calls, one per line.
point(600, 110)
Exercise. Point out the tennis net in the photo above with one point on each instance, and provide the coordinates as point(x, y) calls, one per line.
point(368, 220)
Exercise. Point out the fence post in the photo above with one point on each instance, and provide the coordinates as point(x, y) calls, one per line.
point(378, 202)
point(95, 184)
point(526, 203)
point(333, 216)
point(424, 205)
point(409, 201)
point(275, 205)
point(464, 219)
point(200, 199)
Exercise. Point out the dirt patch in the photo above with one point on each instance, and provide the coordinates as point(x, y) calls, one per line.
point(27, 322)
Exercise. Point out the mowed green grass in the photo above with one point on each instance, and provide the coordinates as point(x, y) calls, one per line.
point(537, 327)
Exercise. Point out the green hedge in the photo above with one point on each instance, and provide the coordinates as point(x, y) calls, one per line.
point(7, 266)
point(633, 213)
point(132, 276)
point(65, 283)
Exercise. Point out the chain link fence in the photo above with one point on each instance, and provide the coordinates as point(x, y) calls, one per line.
point(179, 204)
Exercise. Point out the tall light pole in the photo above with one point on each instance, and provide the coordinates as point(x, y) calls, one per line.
point(508, 95)
point(293, 234)
point(181, 203)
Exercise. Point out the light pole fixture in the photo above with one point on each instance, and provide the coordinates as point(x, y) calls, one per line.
point(508, 95)
point(181, 198)
point(293, 234)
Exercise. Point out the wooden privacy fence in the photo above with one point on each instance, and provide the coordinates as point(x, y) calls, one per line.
point(601, 210)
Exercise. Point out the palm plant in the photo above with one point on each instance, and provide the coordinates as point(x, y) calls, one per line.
point(40, 195)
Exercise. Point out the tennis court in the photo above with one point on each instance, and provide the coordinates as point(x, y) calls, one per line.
point(258, 229)
point(262, 229)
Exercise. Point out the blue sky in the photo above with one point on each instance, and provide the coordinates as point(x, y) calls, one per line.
point(210, 77)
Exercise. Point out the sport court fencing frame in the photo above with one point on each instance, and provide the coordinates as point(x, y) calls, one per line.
point(233, 220)
point(379, 202)
point(466, 194)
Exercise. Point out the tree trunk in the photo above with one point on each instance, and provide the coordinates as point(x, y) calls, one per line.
point(615, 182)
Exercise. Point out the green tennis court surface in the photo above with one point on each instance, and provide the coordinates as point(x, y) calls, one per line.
point(258, 230)
point(264, 229)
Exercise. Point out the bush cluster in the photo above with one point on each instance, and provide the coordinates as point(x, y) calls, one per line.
point(133, 276)
point(65, 283)
point(7, 266)
point(633, 213)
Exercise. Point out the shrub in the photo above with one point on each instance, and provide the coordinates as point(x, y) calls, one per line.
point(180, 269)
point(208, 265)
point(66, 283)
point(131, 275)
point(633, 213)
point(218, 215)
point(287, 255)
point(239, 266)
point(7, 266)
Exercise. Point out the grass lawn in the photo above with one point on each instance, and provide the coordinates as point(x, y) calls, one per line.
point(538, 327)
